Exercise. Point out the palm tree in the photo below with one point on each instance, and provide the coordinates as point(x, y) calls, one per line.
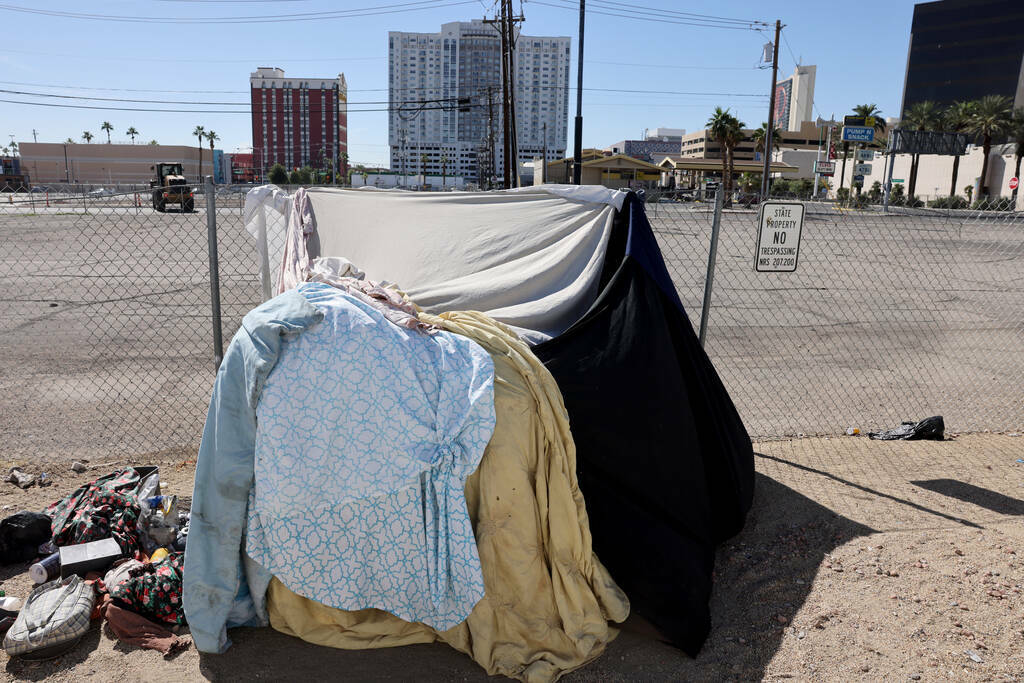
point(955, 120)
point(132, 133)
point(200, 132)
point(69, 141)
point(867, 111)
point(761, 135)
point(14, 148)
point(727, 130)
point(107, 127)
point(444, 169)
point(153, 142)
point(871, 110)
point(991, 118)
point(1017, 133)
point(87, 136)
point(926, 115)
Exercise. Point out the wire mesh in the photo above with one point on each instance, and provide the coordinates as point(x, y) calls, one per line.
point(889, 316)
point(106, 327)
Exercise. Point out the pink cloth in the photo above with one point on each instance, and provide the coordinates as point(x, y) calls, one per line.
point(301, 224)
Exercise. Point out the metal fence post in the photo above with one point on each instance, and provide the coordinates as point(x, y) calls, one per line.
point(716, 222)
point(211, 238)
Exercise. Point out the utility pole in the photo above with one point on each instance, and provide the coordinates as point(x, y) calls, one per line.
point(491, 163)
point(35, 135)
point(506, 31)
point(771, 113)
point(544, 166)
point(577, 149)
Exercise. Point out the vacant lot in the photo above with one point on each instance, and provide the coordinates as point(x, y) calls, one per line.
point(106, 330)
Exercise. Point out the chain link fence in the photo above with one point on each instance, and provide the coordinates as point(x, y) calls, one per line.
point(107, 324)
point(889, 316)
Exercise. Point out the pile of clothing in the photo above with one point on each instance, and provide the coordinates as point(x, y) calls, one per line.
point(375, 474)
point(98, 560)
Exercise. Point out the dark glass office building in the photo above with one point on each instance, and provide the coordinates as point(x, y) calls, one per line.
point(965, 49)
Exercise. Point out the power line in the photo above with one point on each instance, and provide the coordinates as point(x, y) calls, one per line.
point(280, 60)
point(692, 15)
point(658, 18)
point(673, 66)
point(255, 19)
point(478, 92)
point(197, 111)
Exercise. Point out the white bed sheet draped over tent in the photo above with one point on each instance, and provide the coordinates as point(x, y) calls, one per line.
point(530, 258)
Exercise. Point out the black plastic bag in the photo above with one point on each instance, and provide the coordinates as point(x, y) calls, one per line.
point(21, 535)
point(928, 429)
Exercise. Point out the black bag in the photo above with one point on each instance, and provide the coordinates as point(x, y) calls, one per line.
point(21, 535)
point(928, 429)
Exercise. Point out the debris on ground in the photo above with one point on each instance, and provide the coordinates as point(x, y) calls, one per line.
point(20, 479)
point(928, 429)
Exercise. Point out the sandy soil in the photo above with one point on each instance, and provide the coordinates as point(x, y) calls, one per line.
point(861, 560)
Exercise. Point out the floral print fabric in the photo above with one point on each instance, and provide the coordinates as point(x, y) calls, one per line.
point(154, 590)
point(105, 508)
point(366, 433)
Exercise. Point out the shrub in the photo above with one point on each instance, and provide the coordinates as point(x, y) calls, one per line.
point(278, 175)
point(948, 203)
point(993, 204)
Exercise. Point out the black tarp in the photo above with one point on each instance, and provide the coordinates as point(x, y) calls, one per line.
point(664, 462)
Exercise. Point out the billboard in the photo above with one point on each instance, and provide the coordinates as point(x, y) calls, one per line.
point(927, 142)
point(783, 103)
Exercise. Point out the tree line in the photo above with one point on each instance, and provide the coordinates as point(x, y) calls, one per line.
point(986, 119)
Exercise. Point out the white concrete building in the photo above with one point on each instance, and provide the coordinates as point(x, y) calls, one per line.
point(427, 74)
point(794, 98)
point(935, 173)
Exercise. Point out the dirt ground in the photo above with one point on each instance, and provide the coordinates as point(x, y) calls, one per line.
point(861, 560)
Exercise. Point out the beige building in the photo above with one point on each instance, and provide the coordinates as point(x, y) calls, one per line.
point(602, 168)
point(689, 173)
point(105, 164)
point(702, 145)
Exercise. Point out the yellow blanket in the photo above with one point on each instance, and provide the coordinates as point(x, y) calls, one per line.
point(548, 598)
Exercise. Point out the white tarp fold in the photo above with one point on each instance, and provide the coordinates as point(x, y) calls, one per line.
point(530, 258)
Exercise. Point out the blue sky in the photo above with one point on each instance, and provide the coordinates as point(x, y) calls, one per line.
point(860, 50)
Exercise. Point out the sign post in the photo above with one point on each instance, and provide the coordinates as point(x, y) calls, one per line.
point(825, 168)
point(780, 225)
point(861, 169)
point(1014, 183)
point(858, 134)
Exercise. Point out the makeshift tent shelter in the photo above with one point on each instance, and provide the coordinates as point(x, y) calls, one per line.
point(664, 462)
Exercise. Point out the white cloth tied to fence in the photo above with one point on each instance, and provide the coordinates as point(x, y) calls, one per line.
point(530, 258)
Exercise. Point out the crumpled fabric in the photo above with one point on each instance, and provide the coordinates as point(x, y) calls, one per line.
point(366, 435)
point(154, 590)
point(342, 274)
point(301, 224)
point(104, 508)
point(548, 599)
point(136, 629)
point(222, 587)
